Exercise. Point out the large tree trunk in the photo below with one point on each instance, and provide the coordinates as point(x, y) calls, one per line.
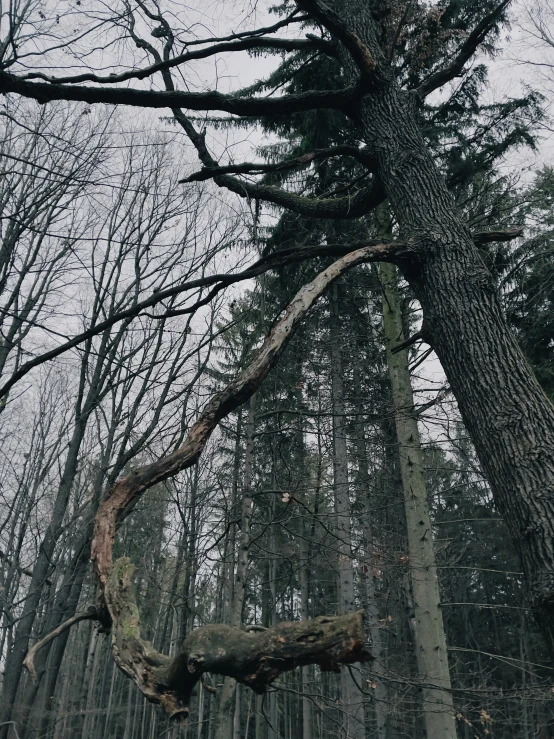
point(430, 640)
point(509, 418)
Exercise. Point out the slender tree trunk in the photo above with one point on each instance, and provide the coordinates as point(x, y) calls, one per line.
point(164, 640)
point(430, 640)
point(236, 717)
point(352, 698)
point(304, 613)
point(191, 566)
point(230, 544)
point(14, 662)
point(64, 606)
point(90, 684)
point(261, 723)
point(224, 725)
point(272, 704)
point(379, 687)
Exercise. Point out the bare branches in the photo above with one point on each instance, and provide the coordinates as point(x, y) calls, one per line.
point(465, 52)
point(207, 173)
point(308, 44)
point(219, 281)
point(45, 92)
point(231, 397)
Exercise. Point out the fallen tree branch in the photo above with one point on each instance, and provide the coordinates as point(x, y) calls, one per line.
point(253, 659)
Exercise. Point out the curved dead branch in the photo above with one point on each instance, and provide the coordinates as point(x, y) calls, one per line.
point(253, 659)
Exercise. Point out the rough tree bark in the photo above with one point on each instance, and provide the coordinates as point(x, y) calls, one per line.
point(430, 640)
point(365, 492)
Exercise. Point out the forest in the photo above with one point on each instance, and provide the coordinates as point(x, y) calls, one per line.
point(276, 369)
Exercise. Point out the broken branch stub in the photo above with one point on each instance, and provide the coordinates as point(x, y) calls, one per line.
point(258, 659)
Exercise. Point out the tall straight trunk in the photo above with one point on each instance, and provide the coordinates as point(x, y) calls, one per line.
point(261, 723)
point(191, 563)
point(91, 381)
point(14, 663)
point(224, 726)
point(305, 614)
point(165, 640)
point(430, 640)
point(380, 697)
point(236, 717)
point(230, 543)
point(89, 687)
point(352, 698)
point(272, 705)
point(64, 606)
